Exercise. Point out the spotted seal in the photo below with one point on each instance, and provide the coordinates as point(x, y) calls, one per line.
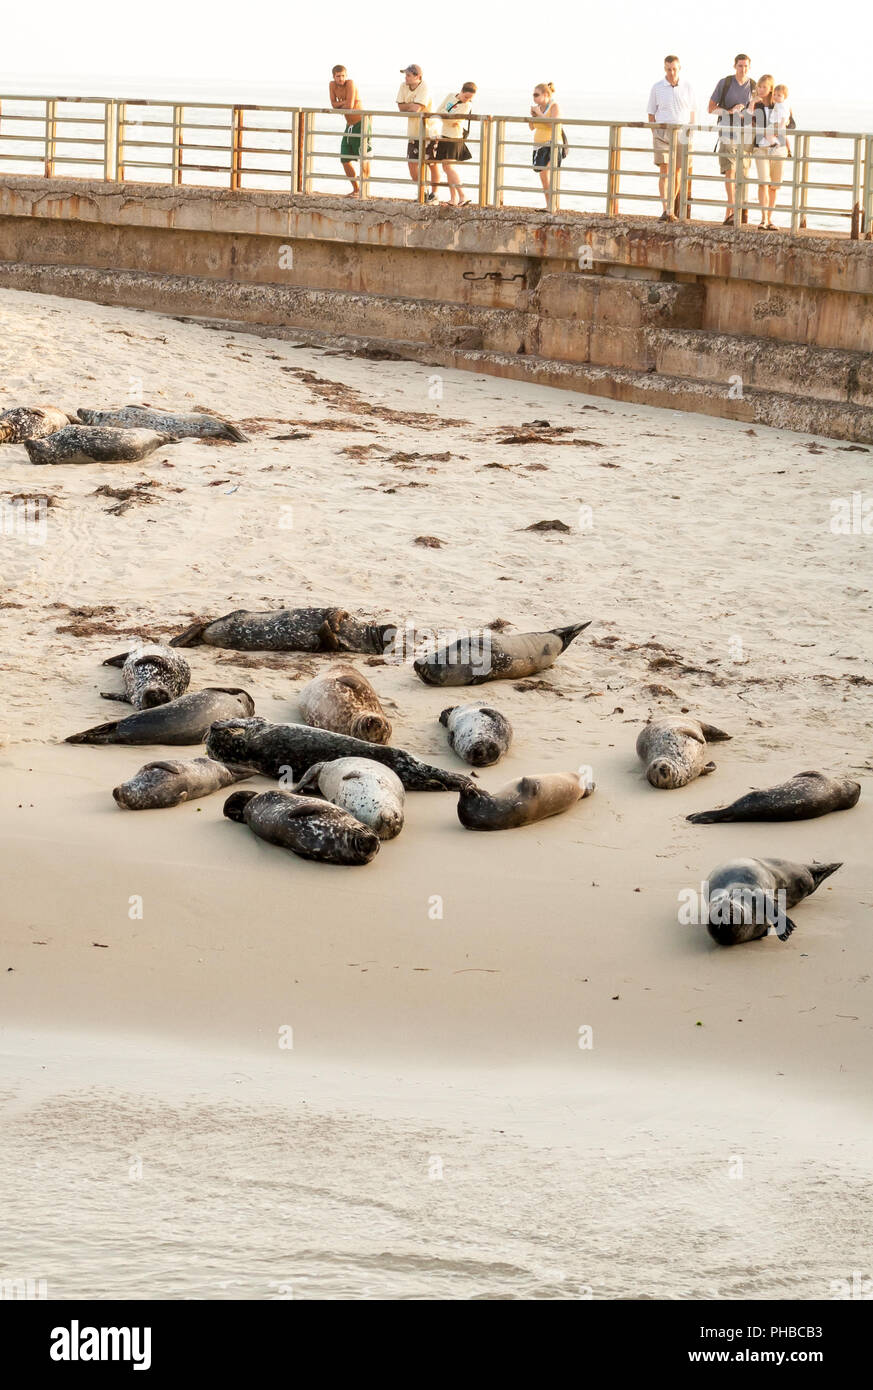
point(95, 444)
point(289, 750)
point(185, 425)
point(478, 734)
point(747, 897)
point(151, 675)
point(22, 422)
point(521, 803)
point(309, 827)
point(344, 701)
point(185, 720)
point(490, 656)
point(803, 797)
point(373, 794)
point(674, 750)
point(289, 630)
point(171, 781)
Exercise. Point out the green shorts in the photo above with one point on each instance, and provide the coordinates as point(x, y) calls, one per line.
point(351, 143)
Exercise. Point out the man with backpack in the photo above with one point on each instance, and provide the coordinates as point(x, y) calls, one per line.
point(731, 99)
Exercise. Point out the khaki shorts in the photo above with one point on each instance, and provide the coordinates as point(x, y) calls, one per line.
point(728, 151)
point(661, 142)
point(771, 165)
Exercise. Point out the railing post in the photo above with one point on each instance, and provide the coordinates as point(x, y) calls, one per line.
point(740, 177)
point(804, 191)
point(613, 173)
point(51, 108)
point(552, 167)
point(795, 186)
point(298, 123)
point(868, 186)
point(422, 127)
point(110, 140)
point(236, 138)
point(499, 143)
point(484, 158)
point(363, 160)
point(120, 139)
point(178, 125)
point(685, 171)
point(308, 133)
point(857, 186)
point(671, 169)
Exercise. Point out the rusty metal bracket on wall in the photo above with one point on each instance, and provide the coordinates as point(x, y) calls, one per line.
point(494, 275)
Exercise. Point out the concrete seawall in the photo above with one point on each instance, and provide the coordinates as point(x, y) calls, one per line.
point(731, 322)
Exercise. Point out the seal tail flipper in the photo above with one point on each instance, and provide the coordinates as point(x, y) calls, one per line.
point(111, 695)
point(101, 733)
point(234, 432)
point(567, 634)
point(712, 733)
point(822, 871)
point(117, 660)
point(236, 804)
point(328, 639)
point(708, 817)
point(444, 717)
point(309, 779)
point(787, 928)
point(192, 636)
point(707, 768)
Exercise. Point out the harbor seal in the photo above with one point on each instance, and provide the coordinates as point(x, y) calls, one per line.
point(748, 896)
point(674, 750)
point(185, 720)
point(95, 444)
point(290, 750)
point(490, 656)
point(373, 794)
point(289, 630)
point(803, 797)
point(22, 422)
point(521, 803)
point(151, 675)
point(173, 780)
point(478, 734)
point(186, 425)
point(345, 702)
point(309, 827)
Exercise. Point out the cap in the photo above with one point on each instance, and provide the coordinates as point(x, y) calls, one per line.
point(413, 68)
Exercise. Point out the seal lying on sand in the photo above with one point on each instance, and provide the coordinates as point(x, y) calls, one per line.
point(290, 750)
point(151, 675)
point(477, 734)
point(748, 896)
point(93, 444)
point(172, 781)
point(345, 702)
point(490, 656)
point(521, 803)
point(803, 797)
point(188, 425)
point(185, 720)
point(22, 422)
point(311, 828)
point(289, 630)
point(373, 794)
point(674, 750)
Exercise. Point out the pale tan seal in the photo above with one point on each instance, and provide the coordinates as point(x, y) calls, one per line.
point(344, 701)
point(674, 750)
point(370, 792)
point(521, 803)
point(22, 422)
point(490, 656)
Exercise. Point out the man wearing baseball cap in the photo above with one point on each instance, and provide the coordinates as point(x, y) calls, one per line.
point(414, 97)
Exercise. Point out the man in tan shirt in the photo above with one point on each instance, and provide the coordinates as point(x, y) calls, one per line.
point(414, 97)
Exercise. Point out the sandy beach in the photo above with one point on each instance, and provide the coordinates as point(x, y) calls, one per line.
point(436, 1130)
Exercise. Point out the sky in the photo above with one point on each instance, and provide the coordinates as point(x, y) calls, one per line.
point(177, 46)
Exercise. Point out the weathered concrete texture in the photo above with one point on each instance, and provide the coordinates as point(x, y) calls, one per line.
point(825, 374)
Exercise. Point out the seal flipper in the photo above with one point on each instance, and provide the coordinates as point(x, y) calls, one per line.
point(236, 804)
point(192, 636)
point(101, 733)
point(234, 432)
point(328, 640)
point(567, 634)
point(117, 660)
point(712, 733)
point(444, 717)
point(787, 928)
point(822, 871)
point(708, 767)
point(111, 694)
point(710, 817)
point(309, 778)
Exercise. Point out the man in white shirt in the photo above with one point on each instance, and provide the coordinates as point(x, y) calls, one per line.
point(414, 97)
point(671, 103)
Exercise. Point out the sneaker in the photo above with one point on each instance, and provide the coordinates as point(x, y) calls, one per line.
point(430, 197)
point(729, 220)
point(665, 216)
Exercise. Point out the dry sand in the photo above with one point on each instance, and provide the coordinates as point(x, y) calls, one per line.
point(715, 584)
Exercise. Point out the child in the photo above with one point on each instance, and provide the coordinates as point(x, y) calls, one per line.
point(771, 152)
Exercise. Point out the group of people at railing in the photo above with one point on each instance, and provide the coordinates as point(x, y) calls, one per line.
point(753, 121)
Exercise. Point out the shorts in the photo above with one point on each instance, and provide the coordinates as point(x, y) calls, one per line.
point(452, 151)
point(430, 154)
point(728, 152)
point(661, 142)
point(770, 163)
point(350, 147)
point(542, 156)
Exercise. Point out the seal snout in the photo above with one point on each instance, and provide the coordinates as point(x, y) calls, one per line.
point(234, 806)
point(153, 696)
point(662, 773)
point(372, 728)
point(484, 753)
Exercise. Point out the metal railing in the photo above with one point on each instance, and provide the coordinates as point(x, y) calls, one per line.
point(607, 168)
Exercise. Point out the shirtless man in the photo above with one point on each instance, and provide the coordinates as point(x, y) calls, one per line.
point(344, 97)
